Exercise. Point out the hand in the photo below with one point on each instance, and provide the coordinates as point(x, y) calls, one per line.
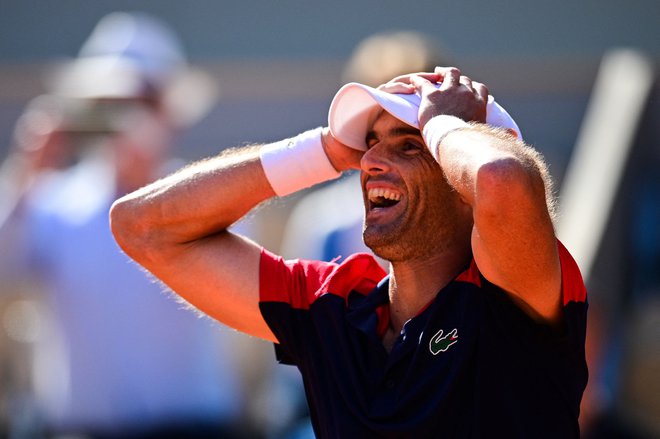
point(457, 96)
point(341, 156)
point(402, 84)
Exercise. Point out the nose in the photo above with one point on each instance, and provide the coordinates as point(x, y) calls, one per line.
point(374, 161)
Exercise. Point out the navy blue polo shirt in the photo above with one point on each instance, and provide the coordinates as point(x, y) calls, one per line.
point(471, 364)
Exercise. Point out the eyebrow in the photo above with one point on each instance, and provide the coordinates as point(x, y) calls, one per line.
point(394, 132)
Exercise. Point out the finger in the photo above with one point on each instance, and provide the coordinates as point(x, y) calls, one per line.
point(464, 80)
point(481, 90)
point(397, 87)
point(433, 77)
point(442, 70)
point(450, 77)
point(421, 83)
point(448, 71)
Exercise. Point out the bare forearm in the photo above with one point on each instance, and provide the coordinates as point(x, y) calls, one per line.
point(177, 227)
point(467, 154)
point(198, 201)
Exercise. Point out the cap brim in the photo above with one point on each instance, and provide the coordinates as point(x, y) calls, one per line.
point(355, 105)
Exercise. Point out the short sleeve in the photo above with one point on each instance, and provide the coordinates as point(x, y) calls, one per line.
point(294, 282)
point(290, 293)
point(287, 288)
point(542, 354)
point(574, 297)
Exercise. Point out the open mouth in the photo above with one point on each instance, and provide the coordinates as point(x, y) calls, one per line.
point(380, 198)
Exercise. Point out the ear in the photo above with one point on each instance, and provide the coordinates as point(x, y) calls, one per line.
point(513, 132)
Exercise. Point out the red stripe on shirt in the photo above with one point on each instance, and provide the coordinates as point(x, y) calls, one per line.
point(572, 285)
point(300, 282)
point(359, 272)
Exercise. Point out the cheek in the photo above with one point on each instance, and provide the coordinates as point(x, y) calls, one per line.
point(432, 196)
point(425, 165)
point(427, 178)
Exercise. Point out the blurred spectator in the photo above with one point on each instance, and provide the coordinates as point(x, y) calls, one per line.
point(113, 355)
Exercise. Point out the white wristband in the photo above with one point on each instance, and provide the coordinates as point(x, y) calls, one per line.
point(438, 127)
point(297, 163)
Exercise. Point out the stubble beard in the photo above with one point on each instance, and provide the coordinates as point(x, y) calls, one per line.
point(409, 239)
point(396, 242)
point(385, 244)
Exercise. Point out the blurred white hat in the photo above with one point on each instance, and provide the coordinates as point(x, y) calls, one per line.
point(136, 56)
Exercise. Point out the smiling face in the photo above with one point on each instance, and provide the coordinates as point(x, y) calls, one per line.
point(410, 210)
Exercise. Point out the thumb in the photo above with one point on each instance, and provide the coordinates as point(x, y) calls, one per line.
point(425, 88)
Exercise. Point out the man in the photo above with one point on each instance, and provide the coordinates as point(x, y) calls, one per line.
point(478, 331)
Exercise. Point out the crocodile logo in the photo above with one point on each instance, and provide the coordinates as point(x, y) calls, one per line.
point(440, 343)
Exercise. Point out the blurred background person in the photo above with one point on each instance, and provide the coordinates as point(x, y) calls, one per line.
point(111, 355)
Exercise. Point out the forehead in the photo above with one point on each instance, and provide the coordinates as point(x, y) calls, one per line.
point(383, 124)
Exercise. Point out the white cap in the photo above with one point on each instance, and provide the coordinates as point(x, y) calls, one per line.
point(353, 105)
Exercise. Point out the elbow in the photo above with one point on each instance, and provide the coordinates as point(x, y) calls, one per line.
point(507, 185)
point(129, 228)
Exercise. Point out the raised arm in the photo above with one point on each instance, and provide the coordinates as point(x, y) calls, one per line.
point(177, 229)
point(508, 187)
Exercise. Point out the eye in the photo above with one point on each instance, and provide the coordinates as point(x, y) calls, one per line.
point(410, 147)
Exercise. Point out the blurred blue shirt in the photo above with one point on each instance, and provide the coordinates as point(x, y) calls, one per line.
point(122, 352)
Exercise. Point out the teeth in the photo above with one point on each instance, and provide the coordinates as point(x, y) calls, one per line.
point(374, 194)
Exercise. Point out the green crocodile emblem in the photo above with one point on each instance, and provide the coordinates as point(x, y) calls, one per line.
point(440, 343)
